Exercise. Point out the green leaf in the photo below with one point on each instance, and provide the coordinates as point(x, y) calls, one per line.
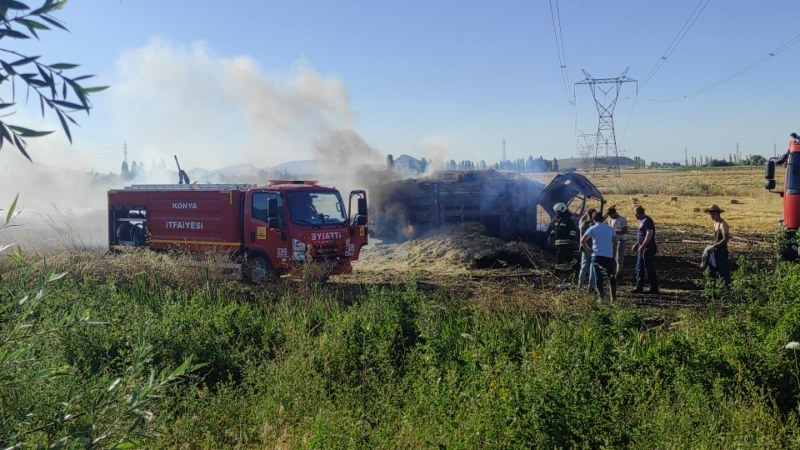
point(32, 24)
point(24, 61)
point(8, 32)
point(93, 89)
point(18, 354)
point(26, 132)
point(11, 4)
point(11, 210)
point(45, 373)
point(62, 66)
point(64, 125)
point(20, 144)
point(54, 22)
point(56, 277)
point(7, 67)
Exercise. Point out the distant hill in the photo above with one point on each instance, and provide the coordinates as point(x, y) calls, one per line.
point(587, 163)
point(310, 166)
point(243, 170)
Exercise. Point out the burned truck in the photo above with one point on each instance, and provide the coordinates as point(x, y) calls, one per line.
point(509, 205)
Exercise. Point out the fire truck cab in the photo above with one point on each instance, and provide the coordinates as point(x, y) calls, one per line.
point(274, 227)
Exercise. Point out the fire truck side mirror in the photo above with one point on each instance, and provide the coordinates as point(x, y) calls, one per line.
point(769, 175)
point(360, 220)
point(362, 207)
point(272, 209)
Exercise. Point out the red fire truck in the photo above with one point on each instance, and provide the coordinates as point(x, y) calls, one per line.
point(274, 227)
point(790, 219)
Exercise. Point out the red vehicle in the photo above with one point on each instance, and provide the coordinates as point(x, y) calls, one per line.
point(274, 227)
point(790, 194)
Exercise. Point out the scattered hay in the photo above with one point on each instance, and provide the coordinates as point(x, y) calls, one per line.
point(456, 248)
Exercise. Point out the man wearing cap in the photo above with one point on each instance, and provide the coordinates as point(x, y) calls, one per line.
point(563, 232)
point(722, 235)
point(620, 225)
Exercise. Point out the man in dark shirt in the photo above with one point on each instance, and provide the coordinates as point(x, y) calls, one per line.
point(645, 249)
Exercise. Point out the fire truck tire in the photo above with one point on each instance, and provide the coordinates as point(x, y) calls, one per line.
point(258, 270)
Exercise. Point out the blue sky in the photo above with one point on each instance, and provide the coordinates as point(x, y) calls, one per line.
point(265, 82)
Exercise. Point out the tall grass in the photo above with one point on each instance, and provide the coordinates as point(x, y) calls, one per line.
point(396, 367)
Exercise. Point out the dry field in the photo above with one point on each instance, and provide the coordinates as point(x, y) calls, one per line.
point(677, 197)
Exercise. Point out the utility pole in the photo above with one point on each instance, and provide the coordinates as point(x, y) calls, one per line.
point(606, 137)
point(586, 148)
point(504, 150)
point(686, 156)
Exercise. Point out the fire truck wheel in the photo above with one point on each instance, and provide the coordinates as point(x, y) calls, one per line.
point(258, 269)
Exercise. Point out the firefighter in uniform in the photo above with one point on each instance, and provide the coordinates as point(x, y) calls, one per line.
point(563, 233)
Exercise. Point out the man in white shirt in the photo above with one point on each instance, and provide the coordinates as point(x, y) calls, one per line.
point(620, 226)
point(603, 241)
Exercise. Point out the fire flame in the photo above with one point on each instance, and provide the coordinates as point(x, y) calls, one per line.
point(410, 230)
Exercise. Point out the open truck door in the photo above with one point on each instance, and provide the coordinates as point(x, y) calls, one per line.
point(572, 189)
point(357, 222)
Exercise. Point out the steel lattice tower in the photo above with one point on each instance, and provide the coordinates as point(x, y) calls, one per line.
point(606, 138)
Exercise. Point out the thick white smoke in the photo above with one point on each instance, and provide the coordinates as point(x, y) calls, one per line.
point(211, 111)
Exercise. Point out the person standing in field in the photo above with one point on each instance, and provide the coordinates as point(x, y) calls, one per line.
point(721, 265)
point(586, 274)
point(563, 232)
point(645, 249)
point(604, 238)
point(620, 225)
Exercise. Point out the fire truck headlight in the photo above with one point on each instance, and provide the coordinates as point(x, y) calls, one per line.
point(298, 250)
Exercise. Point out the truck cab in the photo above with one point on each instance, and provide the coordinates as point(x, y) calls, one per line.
point(290, 222)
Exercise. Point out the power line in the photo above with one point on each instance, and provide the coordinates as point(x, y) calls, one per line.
point(794, 40)
point(687, 25)
point(606, 137)
point(555, 16)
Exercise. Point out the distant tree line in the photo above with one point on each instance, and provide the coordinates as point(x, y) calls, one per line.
point(529, 165)
point(733, 160)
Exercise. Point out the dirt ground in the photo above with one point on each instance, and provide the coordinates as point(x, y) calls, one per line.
point(485, 268)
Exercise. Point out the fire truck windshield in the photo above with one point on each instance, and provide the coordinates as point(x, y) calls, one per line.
point(316, 208)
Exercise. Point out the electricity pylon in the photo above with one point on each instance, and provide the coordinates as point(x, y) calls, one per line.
point(586, 148)
point(606, 138)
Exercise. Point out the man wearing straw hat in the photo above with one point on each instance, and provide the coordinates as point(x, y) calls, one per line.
point(719, 248)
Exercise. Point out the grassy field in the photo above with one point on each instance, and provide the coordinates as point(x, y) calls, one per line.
point(139, 350)
point(395, 367)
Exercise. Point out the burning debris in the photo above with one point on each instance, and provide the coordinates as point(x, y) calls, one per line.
point(508, 206)
point(504, 203)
